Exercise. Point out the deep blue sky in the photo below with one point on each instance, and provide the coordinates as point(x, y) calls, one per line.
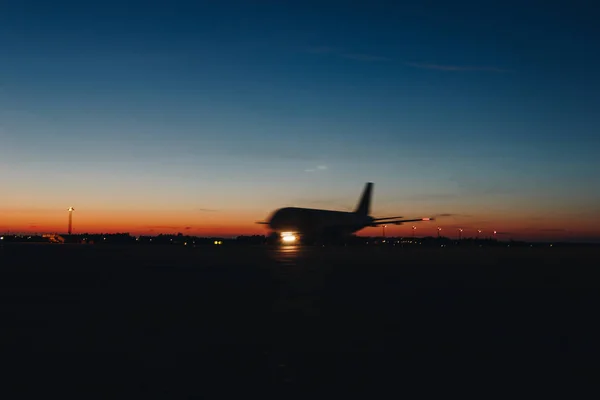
point(469, 101)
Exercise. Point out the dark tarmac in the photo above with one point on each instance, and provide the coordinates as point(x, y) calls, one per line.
point(294, 321)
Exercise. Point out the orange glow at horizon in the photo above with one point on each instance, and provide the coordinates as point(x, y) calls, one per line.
point(242, 222)
point(246, 226)
point(134, 222)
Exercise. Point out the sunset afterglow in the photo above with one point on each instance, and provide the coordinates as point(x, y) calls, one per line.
point(165, 121)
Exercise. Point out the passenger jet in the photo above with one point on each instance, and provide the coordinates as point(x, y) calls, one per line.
point(292, 223)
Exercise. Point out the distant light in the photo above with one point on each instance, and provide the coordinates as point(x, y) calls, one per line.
point(216, 242)
point(185, 244)
point(426, 219)
point(1, 237)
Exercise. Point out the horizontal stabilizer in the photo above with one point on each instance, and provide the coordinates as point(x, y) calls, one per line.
point(401, 221)
point(383, 218)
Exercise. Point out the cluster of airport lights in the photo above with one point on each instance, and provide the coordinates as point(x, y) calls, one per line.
point(439, 230)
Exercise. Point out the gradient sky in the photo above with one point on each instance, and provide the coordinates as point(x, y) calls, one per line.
point(170, 116)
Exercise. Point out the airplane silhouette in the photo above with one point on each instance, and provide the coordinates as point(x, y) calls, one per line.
point(292, 223)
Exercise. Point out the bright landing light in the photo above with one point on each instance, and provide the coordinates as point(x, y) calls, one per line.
point(288, 237)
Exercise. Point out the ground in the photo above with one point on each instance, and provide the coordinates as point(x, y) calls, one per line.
point(177, 321)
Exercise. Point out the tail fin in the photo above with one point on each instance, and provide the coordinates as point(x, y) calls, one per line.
point(364, 205)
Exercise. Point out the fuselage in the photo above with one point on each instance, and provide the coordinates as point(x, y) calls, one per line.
point(315, 222)
point(307, 223)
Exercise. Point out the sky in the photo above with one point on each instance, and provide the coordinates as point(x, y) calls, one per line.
point(203, 117)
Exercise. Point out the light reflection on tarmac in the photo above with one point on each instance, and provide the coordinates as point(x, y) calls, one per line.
point(288, 255)
point(299, 273)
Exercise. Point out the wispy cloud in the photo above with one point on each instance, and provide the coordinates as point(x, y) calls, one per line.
point(271, 150)
point(320, 50)
point(205, 210)
point(344, 54)
point(453, 215)
point(477, 224)
point(318, 168)
point(363, 57)
point(445, 67)
point(533, 229)
point(328, 50)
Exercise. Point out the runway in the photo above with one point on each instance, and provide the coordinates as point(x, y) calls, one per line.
point(188, 319)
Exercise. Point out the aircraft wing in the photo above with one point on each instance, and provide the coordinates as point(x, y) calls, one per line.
point(399, 221)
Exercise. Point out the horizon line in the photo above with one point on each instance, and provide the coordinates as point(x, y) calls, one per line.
point(235, 236)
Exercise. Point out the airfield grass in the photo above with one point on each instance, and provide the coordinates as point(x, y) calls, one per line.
point(178, 320)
